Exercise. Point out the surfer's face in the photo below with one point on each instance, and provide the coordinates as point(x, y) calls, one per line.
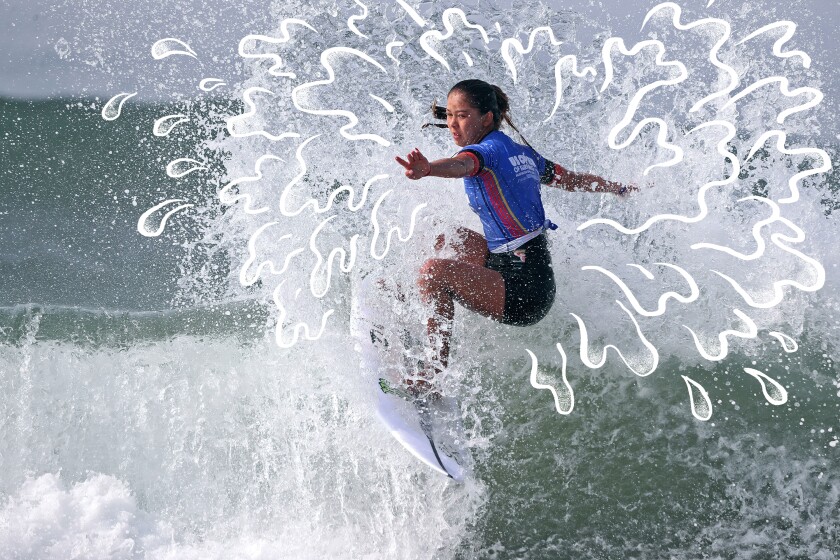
point(466, 124)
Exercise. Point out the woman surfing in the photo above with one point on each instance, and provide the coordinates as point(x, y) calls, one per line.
point(506, 273)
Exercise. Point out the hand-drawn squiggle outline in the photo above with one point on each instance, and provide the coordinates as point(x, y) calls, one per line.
point(703, 393)
point(252, 110)
point(517, 45)
point(162, 127)
point(761, 376)
point(320, 258)
point(776, 238)
point(663, 299)
point(790, 29)
point(170, 167)
point(354, 120)
point(701, 195)
point(752, 332)
point(284, 29)
point(375, 222)
point(297, 328)
point(637, 99)
point(158, 54)
point(783, 339)
point(450, 30)
point(141, 222)
point(352, 19)
point(584, 346)
point(713, 58)
point(202, 85)
point(252, 256)
point(784, 89)
point(314, 203)
point(223, 192)
point(558, 80)
point(418, 19)
point(390, 47)
point(536, 385)
point(780, 145)
point(119, 100)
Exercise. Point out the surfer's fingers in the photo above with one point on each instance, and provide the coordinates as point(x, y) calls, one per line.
point(402, 162)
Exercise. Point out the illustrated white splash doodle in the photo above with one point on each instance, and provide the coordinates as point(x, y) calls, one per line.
point(113, 108)
point(773, 391)
point(171, 47)
point(660, 110)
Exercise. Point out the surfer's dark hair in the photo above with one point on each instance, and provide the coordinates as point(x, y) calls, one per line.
point(487, 98)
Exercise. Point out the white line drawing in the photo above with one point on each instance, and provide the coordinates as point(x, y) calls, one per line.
point(389, 48)
point(171, 46)
point(663, 299)
point(209, 84)
point(351, 21)
point(564, 395)
point(285, 36)
point(584, 348)
point(790, 29)
point(165, 125)
point(388, 106)
point(788, 344)
point(515, 44)
point(450, 30)
point(345, 263)
point(225, 198)
point(113, 108)
point(298, 329)
point(376, 229)
point(701, 404)
point(142, 223)
point(252, 256)
point(781, 139)
point(751, 332)
point(418, 19)
point(701, 195)
point(325, 62)
point(252, 110)
point(558, 79)
point(784, 89)
point(183, 166)
point(773, 391)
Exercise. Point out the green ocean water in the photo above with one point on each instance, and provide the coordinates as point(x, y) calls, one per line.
point(206, 418)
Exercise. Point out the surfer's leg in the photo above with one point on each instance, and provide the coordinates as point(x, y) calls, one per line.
point(443, 282)
point(469, 246)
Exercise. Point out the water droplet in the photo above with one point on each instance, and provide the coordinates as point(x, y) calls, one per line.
point(701, 405)
point(62, 48)
point(112, 109)
point(170, 46)
point(787, 342)
point(209, 84)
point(183, 166)
point(561, 390)
point(164, 125)
point(144, 224)
point(773, 391)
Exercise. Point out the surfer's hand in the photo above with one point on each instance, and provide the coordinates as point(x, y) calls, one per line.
point(417, 165)
point(627, 189)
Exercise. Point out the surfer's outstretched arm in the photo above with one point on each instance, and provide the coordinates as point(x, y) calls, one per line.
point(555, 175)
point(417, 166)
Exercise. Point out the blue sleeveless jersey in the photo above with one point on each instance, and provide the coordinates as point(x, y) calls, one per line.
point(505, 189)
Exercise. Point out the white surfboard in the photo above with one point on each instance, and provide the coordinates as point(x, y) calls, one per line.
point(430, 429)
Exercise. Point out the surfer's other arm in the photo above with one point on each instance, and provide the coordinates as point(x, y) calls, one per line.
point(417, 166)
point(555, 175)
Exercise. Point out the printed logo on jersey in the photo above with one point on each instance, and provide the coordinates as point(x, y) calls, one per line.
point(522, 164)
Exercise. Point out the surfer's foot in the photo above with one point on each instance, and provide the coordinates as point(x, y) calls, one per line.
point(422, 389)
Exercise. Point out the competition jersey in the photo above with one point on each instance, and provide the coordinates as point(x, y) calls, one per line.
point(505, 190)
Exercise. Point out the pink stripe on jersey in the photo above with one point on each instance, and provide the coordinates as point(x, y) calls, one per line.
point(500, 205)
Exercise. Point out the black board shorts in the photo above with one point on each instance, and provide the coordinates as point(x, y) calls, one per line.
point(529, 283)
